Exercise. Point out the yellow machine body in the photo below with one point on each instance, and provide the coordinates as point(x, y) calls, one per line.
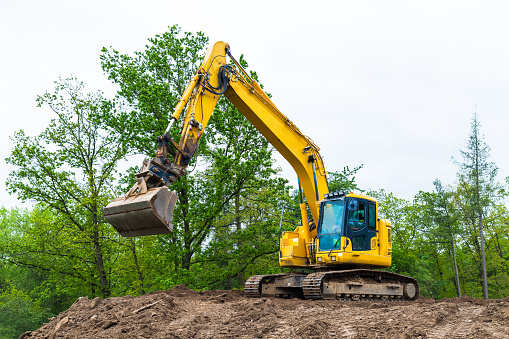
point(343, 240)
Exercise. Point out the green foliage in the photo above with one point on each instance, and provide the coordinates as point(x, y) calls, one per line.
point(31, 241)
point(344, 180)
point(439, 219)
point(68, 169)
point(436, 236)
point(19, 313)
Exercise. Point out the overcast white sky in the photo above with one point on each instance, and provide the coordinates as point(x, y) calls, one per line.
point(387, 84)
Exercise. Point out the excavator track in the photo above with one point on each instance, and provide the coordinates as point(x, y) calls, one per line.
point(354, 284)
point(360, 284)
point(253, 287)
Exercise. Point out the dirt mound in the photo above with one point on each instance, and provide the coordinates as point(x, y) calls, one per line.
point(113, 317)
point(183, 313)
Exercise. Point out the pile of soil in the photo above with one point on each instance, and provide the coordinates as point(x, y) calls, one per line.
point(183, 313)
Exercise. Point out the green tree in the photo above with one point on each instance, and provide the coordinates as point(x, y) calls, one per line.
point(476, 189)
point(68, 168)
point(151, 83)
point(35, 262)
point(440, 222)
point(497, 244)
point(399, 212)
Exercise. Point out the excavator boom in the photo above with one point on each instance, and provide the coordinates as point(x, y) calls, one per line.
point(135, 214)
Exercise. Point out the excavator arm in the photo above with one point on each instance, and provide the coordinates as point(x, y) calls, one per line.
point(214, 78)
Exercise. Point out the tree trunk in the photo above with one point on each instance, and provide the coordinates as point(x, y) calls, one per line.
point(500, 254)
point(456, 269)
point(140, 274)
point(186, 258)
point(440, 272)
point(238, 225)
point(479, 207)
point(429, 290)
point(99, 255)
point(485, 276)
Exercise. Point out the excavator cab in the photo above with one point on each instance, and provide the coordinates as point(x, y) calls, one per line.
point(349, 232)
point(353, 218)
point(345, 217)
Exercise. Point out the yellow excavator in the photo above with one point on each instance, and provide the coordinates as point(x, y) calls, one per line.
point(345, 244)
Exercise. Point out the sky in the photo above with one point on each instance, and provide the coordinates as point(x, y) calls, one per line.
point(390, 85)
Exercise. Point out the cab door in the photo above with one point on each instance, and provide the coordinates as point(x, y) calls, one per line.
point(361, 224)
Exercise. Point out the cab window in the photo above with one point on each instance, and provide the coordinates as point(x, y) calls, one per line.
point(332, 217)
point(332, 221)
point(357, 216)
point(358, 242)
point(372, 216)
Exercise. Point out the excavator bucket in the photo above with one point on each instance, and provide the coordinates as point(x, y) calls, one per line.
point(147, 213)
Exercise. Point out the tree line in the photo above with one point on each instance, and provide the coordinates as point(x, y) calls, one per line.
point(231, 205)
point(455, 239)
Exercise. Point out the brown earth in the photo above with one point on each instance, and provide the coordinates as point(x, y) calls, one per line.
point(183, 313)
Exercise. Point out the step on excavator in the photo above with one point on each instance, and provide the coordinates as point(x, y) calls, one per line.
point(345, 244)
